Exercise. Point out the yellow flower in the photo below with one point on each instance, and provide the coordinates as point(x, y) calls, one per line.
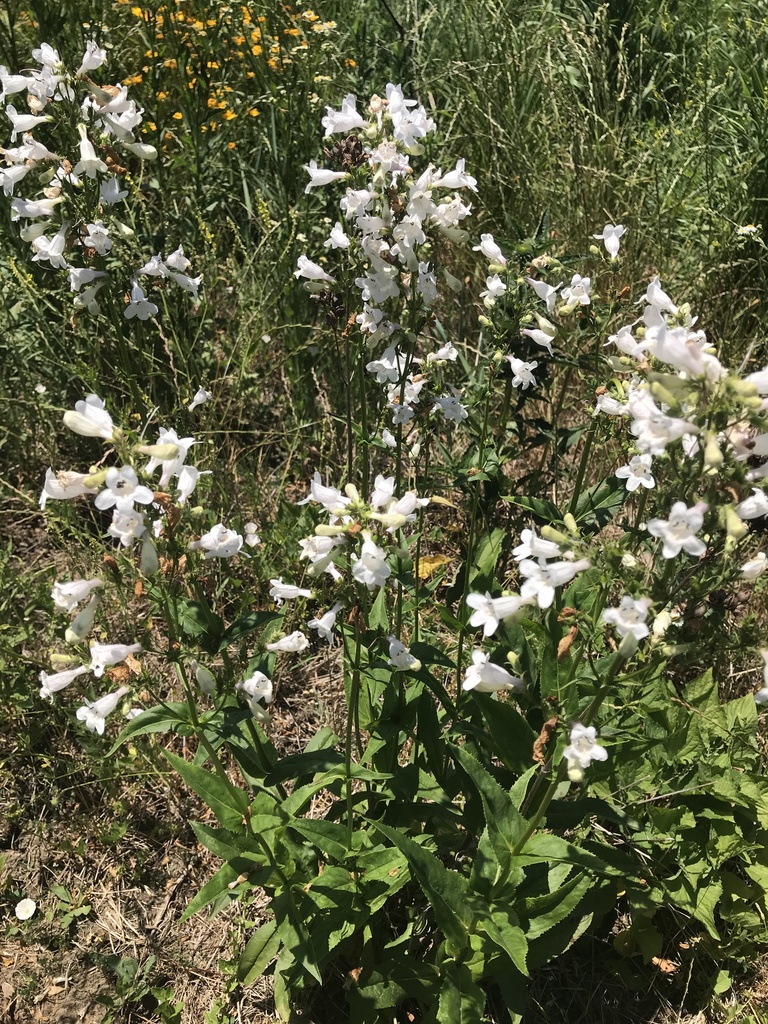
point(310, 16)
point(162, 96)
point(212, 64)
point(350, 63)
point(231, 145)
point(256, 51)
point(254, 111)
point(178, 116)
point(170, 62)
point(133, 80)
point(229, 115)
point(291, 32)
point(137, 12)
point(212, 102)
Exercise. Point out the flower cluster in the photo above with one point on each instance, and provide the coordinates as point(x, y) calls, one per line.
point(70, 221)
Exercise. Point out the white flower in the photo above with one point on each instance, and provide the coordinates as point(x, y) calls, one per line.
point(188, 284)
point(89, 164)
point(127, 525)
point(583, 750)
point(458, 178)
point(637, 473)
point(546, 292)
point(489, 611)
point(319, 551)
point(294, 643)
point(257, 687)
point(252, 538)
point(280, 591)
point(64, 484)
point(50, 684)
point(320, 175)
point(337, 238)
point(122, 489)
point(90, 419)
point(486, 677)
point(93, 58)
point(754, 567)
point(94, 713)
point(219, 542)
point(23, 122)
point(489, 248)
point(324, 625)
point(110, 191)
point(679, 531)
point(445, 354)
point(330, 498)
point(654, 296)
point(533, 546)
point(753, 507)
point(542, 578)
point(311, 271)
point(155, 267)
point(25, 909)
point(522, 372)
point(451, 408)
point(761, 697)
point(610, 236)
point(629, 617)
point(104, 655)
point(201, 396)
point(178, 261)
point(370, 567)
point(139, 306)
point(344, 120)
point(400, 656)
point(98, 237)
point(577, 293)
point(67, 596)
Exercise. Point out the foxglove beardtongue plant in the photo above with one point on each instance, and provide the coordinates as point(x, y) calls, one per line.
point(88, 132)
point(679, 531)
point(582, 751)
point(94, 713)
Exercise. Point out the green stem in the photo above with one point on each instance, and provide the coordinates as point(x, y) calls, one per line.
point(583, 465)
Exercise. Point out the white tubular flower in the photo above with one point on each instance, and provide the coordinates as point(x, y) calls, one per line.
point(324, 625)
point(541, 579)
point(637, 472)
point(330, 498)
point(93, 714)
point(89, 164)
point(280, 591)
point(400, 656)
point(219, 542)
point(546, 292)
point(344, 120)
point(679, 531)
point(67, 596)
point(201, 396)
point(582, 751)
point(489, 248)
point(754, 567)
point(337, 238)
point(458, 178)
point(610, 237)
point(23, 122)
point(486, 677)
point(139, 306)
point(533, 546)
point(122, 489)
point(187, 283)
point(629, 617)
point(753, 507)
point(294, 643)
point(127, 525)
point(319, 176)
point(64, 484)
point(577, 292)
point(370, 567)
point(522, 372)
point(761, 697)
point(252, 538)
point(450, 406)
point(90, 419)
point(311, 271)
point(93, 58)
point(154, 267)
point(98, 237)
point(104, 655)
point(110, 191)
point(319, 551)
point(178, 261)
point(656, 297)
point(256, 687)
point(490, 611)
point(50, 684)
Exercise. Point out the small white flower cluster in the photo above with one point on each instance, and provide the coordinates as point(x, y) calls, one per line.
point(544, 565)
point(118, 487)
point(393, 223)
point(82, 244)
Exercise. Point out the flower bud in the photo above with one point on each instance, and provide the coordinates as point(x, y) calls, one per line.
point(594, 250)
point(550, 533)
point(713, 457)
point(742, 388)
point(570, 524)
point(81, 626)
point(661, 624)
point(197, 511)
point(484, 321)
point(62, 661)
point(148, 560)
point(163, 452)
point(629, 561)
point(203, 677)
point(392, 520)
point(141, 150)
point(514, 662)
point(628, 645)
point(352, 493)
point(326, 530)
point(496, 268)
point(95, 480)
point(734, 525)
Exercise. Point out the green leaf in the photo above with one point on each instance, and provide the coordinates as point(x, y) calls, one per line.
point(308, 762)
point(227, 844)
point(462, 1001)
point(485, 557)
point(513, 737)
point(247, 624)
point(597, 506)
point(377, 619)
point(328, 836)
point(260, 950)
point(229, 804)
point(503, 928)
point(447, 891)
point(541, 508)
point(198, 620)
point(505, 823)
point(549, 909)
point(172, 717)
point(217, 886)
